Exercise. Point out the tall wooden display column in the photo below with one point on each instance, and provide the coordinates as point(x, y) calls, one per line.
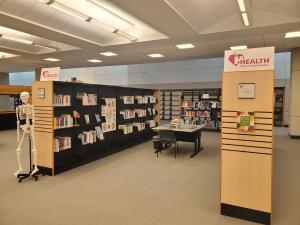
point(246, 155)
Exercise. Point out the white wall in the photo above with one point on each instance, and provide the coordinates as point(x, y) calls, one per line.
point(201, 70)
point(22, 78)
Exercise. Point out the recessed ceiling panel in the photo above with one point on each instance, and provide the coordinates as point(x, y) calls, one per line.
point(96, 21)
point(23, 42)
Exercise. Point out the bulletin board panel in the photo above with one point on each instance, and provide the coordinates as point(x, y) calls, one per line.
point(246, 157)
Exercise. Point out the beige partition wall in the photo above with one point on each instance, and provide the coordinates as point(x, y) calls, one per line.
point(43, 124)
point(246, 157)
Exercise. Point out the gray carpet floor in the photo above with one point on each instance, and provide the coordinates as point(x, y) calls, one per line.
point(134, 187)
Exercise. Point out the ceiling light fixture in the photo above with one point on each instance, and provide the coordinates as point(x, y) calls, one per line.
point(108, 54)
point(100, 4)
point(65, 9)
point(156, 55)
point(238, 47)
point(185, 46)
point(242, 5)
point(293, 34)
point(82, 16)
point(4, 55)
point(94, 60)
point(44, 46)
point(245, 19)
point(23, 41)
point(52, 59)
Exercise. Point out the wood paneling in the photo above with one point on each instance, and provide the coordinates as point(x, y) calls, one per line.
point(247, 137)
point(246, 159)
point(255, 132)
point(256, 126)
point(41, 102)
point(247, 143)
point(264, 90)
point(43, 123)
point(246, 180)
point(13, 89)
point(247, 149)
point(157, 106)
point(44, 145)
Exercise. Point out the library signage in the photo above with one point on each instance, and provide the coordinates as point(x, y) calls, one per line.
point(50, 74)
point(249, 59)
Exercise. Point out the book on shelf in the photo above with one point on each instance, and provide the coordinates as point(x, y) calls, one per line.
point(88, 137)
point(128, 99)
point(87, 99)
point(139, 126)
point(63, 121)
point(151, 123)
point(142, 99)
point(140, 112)
point(62, 100)
point(127, 128)
point(152, 99)
point(128, 113)
point(109, 112)
point(97, 117)
point(76, 116)
point(62, 143)
point(99, 133)
point(87, 119)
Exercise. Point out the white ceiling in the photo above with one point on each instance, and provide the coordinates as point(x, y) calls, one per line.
point(212, 26)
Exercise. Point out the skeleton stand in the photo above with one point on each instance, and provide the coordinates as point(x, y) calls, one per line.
point(22, 176)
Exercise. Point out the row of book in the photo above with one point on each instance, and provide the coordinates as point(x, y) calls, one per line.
point(128, 99)
point(140, 126)
point(128, 114)
point(140, 99)
point(62, 143)
point(203, 105)
point(140, 112)
point(87, 99)
point(127, 128)
point(193, 113)
point(62, 100)
point(151, 123)
point(63, 121)
point(91, 136)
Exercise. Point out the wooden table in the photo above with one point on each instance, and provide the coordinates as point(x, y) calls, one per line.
point(186, 133)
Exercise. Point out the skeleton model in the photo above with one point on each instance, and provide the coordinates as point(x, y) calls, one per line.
point(25, 118)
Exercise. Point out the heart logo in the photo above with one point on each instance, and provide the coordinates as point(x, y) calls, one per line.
point(234, 57)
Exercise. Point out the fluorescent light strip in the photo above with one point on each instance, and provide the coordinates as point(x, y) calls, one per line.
point(102, 25)
point(238, 47)
point(82, 16)
point(47, 47)
point(52, 59)
point(108, 54)
point(156, 55)
point(111, 11)
point(128, 36)
point(185, 46)
point(293, 34)
point(94, 60)
point(242, 5)
point(23, 41)
point(245, 19)
point(4, 55)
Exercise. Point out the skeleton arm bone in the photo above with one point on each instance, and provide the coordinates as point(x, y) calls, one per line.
point(18, 124)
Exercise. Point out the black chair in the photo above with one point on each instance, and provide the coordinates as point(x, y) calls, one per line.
point(165, 139)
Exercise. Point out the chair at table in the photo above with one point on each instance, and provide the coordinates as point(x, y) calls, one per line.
point(167, 138)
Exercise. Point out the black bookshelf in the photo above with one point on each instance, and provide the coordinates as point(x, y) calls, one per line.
point(114, 141)
point(202, 106)
point(279, 106)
